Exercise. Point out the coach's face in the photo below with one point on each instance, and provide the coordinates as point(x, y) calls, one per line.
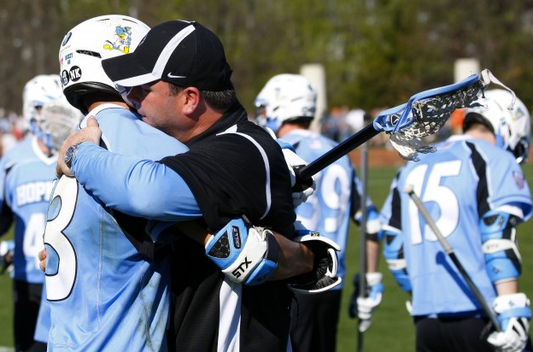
point(163, 109)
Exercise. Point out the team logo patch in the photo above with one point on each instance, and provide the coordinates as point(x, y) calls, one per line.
point(66, 59)
point(64, 78)
point(122, 40)
point(66, 39)
point(74, 73)
point(519, 179)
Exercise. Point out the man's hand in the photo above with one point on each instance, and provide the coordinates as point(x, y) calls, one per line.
point(42, 259)
point(514, 315)
point(91, 133)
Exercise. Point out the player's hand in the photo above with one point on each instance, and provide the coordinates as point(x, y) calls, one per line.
point(363, 306)
point(42, 259)
point(514, 315)
point(91, 133)
point(246, 254)
point(323, 277)
point(300, 192)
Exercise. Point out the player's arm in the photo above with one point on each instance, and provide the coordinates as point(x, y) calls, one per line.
point(253, 255)
point(6, 213)
point(393, 252)
point(6, 218)
point(504, 266)
point(142, 188)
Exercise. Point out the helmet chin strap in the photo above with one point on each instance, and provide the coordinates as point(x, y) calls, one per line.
point(487, 76)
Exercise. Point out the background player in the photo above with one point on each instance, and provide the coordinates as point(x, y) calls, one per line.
point(286, 105)
point(27, 172)
point(477, 195)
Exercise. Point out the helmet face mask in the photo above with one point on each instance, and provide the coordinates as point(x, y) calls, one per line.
point(511, 127)
point(59, 119)
point(86, 45)
point(36, 93)
point(285, 98)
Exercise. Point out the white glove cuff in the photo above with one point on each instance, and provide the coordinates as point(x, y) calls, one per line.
point(506, 302)
point(373, 278)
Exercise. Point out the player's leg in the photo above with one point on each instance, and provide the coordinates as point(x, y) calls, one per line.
point(27, 298)
point(303, 329)
point(37, 347)
point(314, 321)
point(327, 320)
point(451, 334)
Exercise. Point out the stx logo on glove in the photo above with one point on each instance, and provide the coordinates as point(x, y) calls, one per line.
point(241, 268)
point(236, 234)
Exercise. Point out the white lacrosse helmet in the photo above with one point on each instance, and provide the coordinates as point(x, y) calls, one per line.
point(511, 124)
point(59, 119)
point(36, 93)
point(86, 45)
point(285, 97)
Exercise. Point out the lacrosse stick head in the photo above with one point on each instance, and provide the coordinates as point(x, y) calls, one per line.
point(426, 113)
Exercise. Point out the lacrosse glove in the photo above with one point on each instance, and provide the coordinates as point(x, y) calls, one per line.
point(323, 277)
point(246, 254)
point(300, 192)
point(7, 251)
point(363, 307)
point(514, 315)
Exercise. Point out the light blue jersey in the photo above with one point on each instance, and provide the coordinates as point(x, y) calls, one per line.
point(459, 183)
point(104, 295)
point(26, 178)
point(328, 209)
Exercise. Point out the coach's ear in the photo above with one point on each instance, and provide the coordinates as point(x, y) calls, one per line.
point(191, 101)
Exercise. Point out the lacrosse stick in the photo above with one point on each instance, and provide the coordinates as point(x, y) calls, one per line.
point(362, 240)
point(423, 115)
point(449, 250)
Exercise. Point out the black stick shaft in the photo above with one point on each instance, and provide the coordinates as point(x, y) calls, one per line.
point(449, 250)
point(362, 238)
point(336, 153)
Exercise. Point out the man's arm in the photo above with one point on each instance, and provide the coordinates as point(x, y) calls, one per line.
point(294, 259)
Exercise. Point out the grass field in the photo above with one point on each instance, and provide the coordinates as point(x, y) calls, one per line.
point(392, 328)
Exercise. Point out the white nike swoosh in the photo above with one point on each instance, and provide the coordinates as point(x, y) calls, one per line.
point(170, 75)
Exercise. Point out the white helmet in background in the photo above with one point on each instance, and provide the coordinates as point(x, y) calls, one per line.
point(59, 119)
point(285, 97)
point(36, 93)
point(512, 127)
point(86, 45)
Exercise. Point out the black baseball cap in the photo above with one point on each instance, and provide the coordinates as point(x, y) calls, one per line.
point(181, 52)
